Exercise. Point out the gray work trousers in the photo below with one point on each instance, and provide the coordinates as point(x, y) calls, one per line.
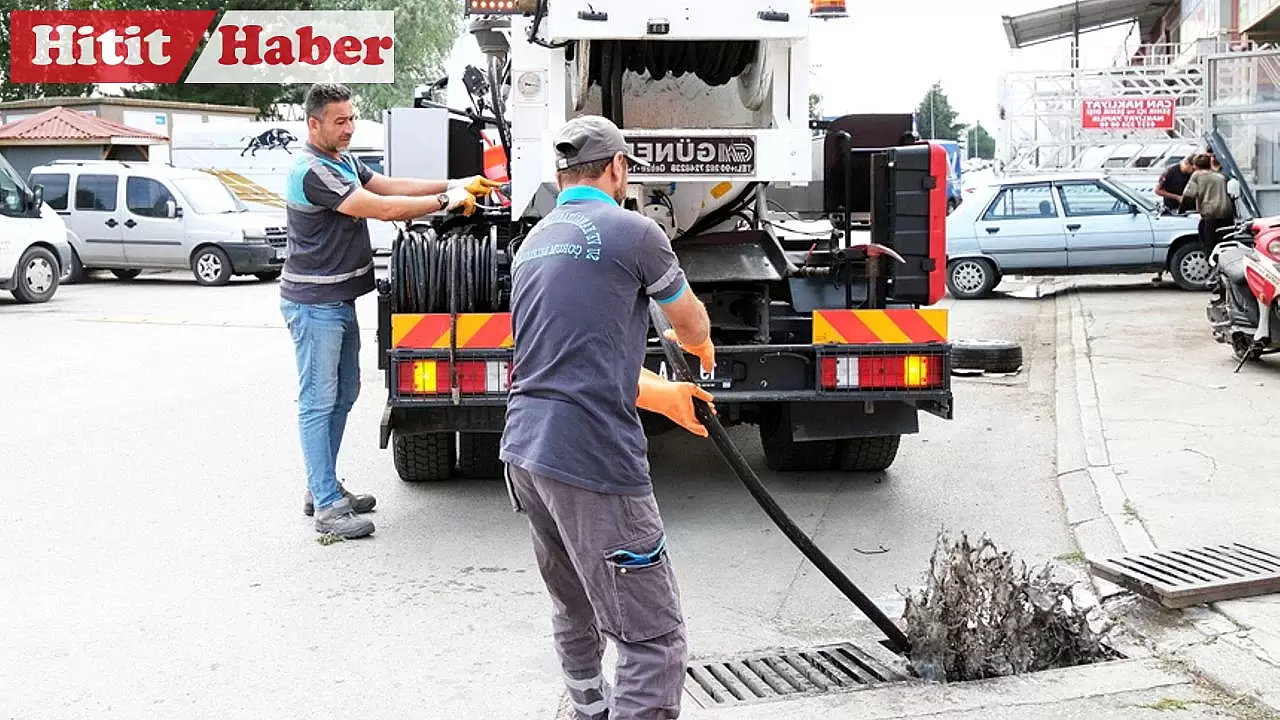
point(637, 604)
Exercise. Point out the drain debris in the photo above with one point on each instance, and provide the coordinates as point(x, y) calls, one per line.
point(981, 614)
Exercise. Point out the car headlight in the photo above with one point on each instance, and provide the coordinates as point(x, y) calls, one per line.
point(1273, 248)
point(254, 236)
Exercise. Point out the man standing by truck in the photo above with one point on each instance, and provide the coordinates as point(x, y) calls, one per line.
point(330, 196)
point(575, 449)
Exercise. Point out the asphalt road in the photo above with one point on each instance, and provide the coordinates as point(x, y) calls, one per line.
point(158, 563)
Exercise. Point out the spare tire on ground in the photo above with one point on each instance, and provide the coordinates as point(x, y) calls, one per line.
point(994, 356)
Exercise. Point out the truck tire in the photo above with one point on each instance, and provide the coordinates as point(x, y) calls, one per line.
point(996, 356)
point(783, 453)
point(478, 455)
point(424, 458)
point(867, 454)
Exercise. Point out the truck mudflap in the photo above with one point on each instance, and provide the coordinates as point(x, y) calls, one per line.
point(892, 355)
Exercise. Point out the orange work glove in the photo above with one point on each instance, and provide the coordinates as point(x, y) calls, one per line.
point(706, 352)
point(672, 399)
point(477, 185)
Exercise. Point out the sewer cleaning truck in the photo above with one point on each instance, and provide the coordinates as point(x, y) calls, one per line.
point(818, 248)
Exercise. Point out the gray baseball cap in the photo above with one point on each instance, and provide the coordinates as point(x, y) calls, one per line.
point(588, 139)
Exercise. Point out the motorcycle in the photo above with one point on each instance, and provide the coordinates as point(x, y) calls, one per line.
point(1244, 282)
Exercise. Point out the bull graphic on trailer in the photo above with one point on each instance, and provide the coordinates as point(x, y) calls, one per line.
point(269, 140)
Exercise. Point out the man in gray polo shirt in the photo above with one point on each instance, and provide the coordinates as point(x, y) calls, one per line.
point(330, 195)
point(575, 450)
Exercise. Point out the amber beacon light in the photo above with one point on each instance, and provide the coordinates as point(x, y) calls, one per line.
point(827, 9)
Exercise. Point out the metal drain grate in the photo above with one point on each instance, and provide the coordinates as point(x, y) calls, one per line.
point(786, 674)
point(1191, 576)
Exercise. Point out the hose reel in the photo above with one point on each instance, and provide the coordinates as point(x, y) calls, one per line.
point(716, 63)
point(427, 268)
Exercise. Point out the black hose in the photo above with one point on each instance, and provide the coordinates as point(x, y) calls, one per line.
point(714, 62)
point(709, 420)
point(439, 273)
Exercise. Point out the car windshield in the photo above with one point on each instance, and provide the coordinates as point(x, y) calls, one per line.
point(209, 196)
point(9, 174)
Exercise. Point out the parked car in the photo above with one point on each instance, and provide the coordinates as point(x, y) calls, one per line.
point(127, 217)
point(1066, 224)
point(34, 252)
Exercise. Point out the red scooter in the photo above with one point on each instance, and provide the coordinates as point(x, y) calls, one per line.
point(1244, 282)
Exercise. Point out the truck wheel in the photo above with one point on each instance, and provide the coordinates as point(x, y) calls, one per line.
point(996, 356)
point(867, 454)
point(783, 453)
point(424, 458)
point(478, 455)
point(37, 277)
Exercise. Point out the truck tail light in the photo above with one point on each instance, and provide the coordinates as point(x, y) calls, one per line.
point(882, 372)
point(475, 377)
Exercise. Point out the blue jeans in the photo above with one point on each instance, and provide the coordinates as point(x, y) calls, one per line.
point(326, 340)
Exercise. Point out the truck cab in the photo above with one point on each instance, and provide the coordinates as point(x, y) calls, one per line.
point(34, 252)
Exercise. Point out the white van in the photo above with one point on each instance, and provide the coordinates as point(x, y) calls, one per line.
point(127, 217)
point(34, 252)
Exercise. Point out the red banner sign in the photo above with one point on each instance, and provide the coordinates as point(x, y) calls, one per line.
point(104, 46)
point(1128, 113)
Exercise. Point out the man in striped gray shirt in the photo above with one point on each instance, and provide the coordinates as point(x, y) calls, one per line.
point(330, 195)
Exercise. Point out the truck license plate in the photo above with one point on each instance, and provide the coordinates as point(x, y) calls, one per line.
point(721, 378)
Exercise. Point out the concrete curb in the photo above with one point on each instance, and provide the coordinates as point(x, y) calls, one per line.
point(1104, 523)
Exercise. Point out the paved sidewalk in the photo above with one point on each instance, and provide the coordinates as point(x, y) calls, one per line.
point(1162, 445)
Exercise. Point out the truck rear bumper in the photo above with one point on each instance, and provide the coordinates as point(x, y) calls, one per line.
point(868, 393)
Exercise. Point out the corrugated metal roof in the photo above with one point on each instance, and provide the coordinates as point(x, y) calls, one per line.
point(1059, 22)
point(61, 123)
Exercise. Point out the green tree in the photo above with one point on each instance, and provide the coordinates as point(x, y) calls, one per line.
point(935, 118)
point(981, 144)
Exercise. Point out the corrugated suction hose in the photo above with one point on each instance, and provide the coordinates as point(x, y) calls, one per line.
point(740, 467)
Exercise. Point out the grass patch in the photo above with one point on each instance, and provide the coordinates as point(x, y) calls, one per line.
point(330, 538)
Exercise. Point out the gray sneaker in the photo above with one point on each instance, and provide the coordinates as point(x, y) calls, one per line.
point(359, 503)
point(342, 521)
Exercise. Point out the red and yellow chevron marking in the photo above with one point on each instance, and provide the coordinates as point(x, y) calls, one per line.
point(476, 331)
point(875, 327)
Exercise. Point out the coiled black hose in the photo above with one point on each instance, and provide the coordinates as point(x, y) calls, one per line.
point(422, 263)
point(741, 468)
point(714, 62)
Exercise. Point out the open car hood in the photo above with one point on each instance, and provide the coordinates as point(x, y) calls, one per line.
point(1214, 140)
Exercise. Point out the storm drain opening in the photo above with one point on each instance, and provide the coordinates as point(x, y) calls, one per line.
point(786, 674)
point(1192, 576)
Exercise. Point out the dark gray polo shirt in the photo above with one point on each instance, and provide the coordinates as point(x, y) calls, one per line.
point(330, 255)
point(582, 280)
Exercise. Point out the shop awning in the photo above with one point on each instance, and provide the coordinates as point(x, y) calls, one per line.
point(1059, 22)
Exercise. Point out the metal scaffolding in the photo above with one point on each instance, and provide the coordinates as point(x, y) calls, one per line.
point(1042, 113)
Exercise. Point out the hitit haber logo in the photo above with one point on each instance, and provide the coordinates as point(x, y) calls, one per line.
point(155, 46)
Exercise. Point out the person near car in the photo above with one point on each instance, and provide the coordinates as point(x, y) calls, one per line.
point(330, 196)
point(1172, 183)
point(1208, 189)
point(574, 447)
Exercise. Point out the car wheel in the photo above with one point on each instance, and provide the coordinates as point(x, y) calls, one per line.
point(211, 266)
point(971, 278)
point(37, 277)
point(1189, 267)
point(128, 274)
point(77, 271)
